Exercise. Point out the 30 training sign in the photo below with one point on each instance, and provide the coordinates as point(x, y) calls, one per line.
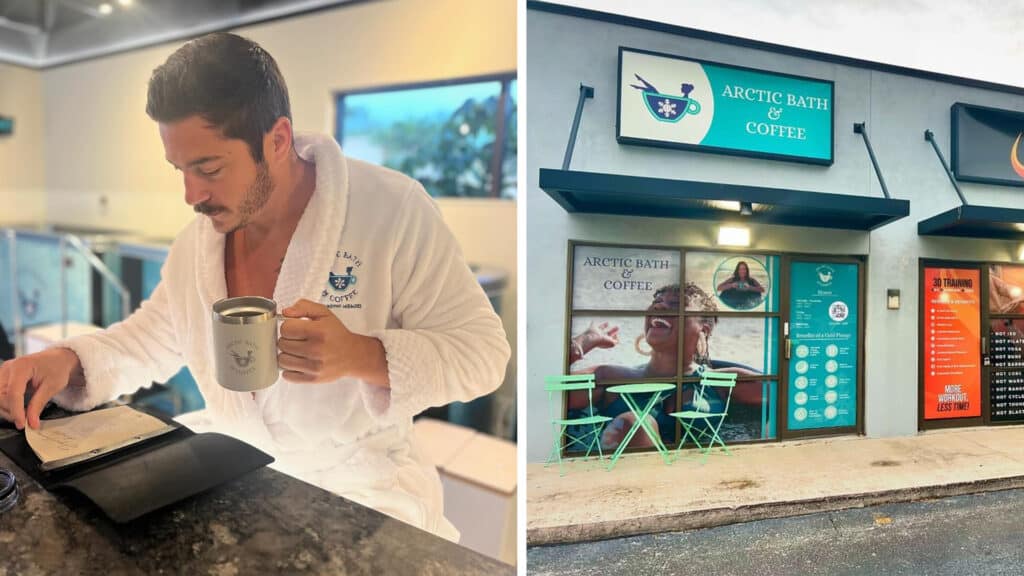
point(674, 102)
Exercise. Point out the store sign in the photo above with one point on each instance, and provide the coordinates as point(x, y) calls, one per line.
point(951, 308)
point(986, 145)
point(823, 345)
point(668, 101)
point(618, 278)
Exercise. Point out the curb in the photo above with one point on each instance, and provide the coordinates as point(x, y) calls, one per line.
point(710, 518)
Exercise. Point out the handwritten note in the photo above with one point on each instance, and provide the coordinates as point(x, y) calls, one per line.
point(89, 432)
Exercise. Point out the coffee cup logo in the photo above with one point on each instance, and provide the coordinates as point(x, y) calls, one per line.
point(342, 282)
point(667, 107)
point(243, 356)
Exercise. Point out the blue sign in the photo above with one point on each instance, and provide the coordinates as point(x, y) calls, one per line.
point(675, 102)
point(822, 380)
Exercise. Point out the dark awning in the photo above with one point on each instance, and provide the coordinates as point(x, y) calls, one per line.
point(968, 221)
point(598, 193)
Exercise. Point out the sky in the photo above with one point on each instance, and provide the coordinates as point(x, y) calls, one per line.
point(980, 39)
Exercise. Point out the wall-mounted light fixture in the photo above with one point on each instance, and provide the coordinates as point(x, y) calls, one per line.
point(733, 236)
point(746, 208)
point(1020, 252)
point(892, 299)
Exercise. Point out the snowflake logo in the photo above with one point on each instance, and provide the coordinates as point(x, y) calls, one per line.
point(667, 108)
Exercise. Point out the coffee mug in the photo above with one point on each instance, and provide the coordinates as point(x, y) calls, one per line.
point(245, 343)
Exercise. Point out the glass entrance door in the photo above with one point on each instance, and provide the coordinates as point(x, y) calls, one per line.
point(824, 333)
point(951, 345)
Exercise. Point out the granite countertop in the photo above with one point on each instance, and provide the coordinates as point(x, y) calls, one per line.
point(262, 523)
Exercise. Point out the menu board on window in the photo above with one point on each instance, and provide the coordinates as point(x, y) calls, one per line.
point(1006, 383)
point(823, 345)
point(1006, 391)
point(1007, 339)
point(952, 343)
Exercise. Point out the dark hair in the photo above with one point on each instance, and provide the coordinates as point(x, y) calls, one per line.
point(227, 80)
point(736, 273)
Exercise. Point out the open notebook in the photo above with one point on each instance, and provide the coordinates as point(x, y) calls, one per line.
point(64, 441)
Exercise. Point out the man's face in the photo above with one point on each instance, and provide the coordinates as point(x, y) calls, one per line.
point(221, 179)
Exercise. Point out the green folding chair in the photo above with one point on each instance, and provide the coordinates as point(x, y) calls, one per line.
point(703, 424)
point(591, 424)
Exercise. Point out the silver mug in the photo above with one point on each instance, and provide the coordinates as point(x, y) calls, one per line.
point(245, 343)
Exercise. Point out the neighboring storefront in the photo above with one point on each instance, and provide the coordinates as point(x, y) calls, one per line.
point(652, 147)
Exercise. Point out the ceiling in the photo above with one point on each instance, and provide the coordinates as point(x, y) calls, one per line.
point(44, 33)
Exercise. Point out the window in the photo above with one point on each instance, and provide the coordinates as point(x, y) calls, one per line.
point(657, 314)
point(458, 137)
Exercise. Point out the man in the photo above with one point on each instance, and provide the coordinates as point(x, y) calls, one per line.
point(278, 218)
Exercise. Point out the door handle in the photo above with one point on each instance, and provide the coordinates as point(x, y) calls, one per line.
point(984, 345)
point(788, 344)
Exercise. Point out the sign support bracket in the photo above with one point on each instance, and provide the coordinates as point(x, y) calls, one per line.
point(930, 137)
point(859, 128)
point(585, 92)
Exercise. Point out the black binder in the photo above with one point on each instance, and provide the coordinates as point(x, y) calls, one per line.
point(148, 475)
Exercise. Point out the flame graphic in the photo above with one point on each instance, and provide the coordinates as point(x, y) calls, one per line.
point(1014, 162)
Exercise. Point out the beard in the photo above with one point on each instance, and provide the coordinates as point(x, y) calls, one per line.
point(255, 199)
point(256, 196)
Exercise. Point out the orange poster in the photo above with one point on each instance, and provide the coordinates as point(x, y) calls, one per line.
point(952, 343)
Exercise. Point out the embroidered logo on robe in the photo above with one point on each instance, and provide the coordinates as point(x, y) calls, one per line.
point(342, 282)
point(343, 292)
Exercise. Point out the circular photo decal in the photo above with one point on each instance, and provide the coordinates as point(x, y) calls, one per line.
point(741, 283)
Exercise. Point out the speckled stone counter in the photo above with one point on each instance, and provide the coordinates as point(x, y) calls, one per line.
point(262, 523)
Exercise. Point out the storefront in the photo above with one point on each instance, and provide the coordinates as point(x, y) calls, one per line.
point(972, 312)
point(788, 325)
point(668, 141)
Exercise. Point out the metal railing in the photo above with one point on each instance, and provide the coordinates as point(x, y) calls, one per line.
point(97, 265)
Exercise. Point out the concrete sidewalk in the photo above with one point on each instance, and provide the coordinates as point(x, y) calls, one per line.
point(642, 495)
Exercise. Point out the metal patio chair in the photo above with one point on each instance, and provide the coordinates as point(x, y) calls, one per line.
point(590, 424)
point(702, 424)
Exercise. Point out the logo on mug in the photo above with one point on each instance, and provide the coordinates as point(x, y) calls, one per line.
point(667, 107)
point(243, 356)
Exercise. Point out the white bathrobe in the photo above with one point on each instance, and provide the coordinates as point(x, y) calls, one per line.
point(413, 291)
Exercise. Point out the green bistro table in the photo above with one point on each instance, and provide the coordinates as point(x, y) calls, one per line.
point(628, 391)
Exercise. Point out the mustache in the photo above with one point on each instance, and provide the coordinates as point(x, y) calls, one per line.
point(206, 209)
